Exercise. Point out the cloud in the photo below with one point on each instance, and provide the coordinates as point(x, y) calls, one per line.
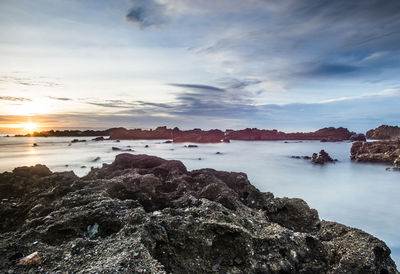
point(331, 70)
point(197, 87)
point(60, 98)
point(15, 99)
point(146, 13)
point(26, 81)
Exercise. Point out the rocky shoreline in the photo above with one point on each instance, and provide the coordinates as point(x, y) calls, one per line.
point(144, 214)
point(384, 132)
point(386, 152)
point(329, 134)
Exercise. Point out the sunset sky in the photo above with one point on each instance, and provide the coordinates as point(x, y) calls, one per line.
point(290, 64)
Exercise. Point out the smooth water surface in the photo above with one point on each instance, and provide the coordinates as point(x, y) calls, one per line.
point(360, 195)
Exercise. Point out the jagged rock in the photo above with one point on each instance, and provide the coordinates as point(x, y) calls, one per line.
point(77, 141)
point(376, 152)
point(358, 137)
point(31, 259)
point(191, 146)
point(322, 158)
point(330, 134)
point(146, 214)
point(96, 159)
point(100, 138)
point(384, 132)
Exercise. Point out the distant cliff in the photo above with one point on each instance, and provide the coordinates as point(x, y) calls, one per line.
point(326, 134)
point(69, 133)
point(329, 134)
point(384, 132)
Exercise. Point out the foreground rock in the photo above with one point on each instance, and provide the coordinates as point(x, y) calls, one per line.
point(384, 132)
point(387, 152)
point(147, 214)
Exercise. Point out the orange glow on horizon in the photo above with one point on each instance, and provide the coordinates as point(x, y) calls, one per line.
point(28, 127)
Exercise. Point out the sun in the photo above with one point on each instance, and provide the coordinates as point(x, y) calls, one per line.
point(29, 126)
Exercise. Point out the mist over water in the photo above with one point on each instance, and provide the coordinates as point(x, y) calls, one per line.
point(355, 194)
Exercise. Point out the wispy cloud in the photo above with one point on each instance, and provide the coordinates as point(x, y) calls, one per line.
point(60, 98)
point(28, 81)
point(15, 99)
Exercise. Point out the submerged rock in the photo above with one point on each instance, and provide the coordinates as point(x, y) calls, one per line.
point(100, 138)
point(321, 159)
point(146, 214)
point(77, 141)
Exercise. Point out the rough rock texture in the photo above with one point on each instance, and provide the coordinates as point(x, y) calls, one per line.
point(327, 134)
point(358, 137)
point(377, 152)
point(199, 136)
point(139, 134)
point(384, 132)
point(321, 158)
point(146, 214)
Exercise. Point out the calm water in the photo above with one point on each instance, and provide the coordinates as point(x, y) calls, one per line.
point(365, 196)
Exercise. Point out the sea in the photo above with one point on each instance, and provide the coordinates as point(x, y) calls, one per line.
point(361, 195)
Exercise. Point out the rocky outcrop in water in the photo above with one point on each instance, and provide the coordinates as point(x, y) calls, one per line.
point(146, 214)
point(376, 152)
point(384, 132)
point(321, 158)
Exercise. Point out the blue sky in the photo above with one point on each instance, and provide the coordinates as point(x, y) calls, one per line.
point(292, 65)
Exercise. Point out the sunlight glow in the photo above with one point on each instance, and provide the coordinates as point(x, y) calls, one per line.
point(29, 126)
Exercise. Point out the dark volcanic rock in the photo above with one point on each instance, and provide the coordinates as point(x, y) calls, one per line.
point(144, 213)
point(321, 158)
point(384, 132)
point(77, 141)
point(376, 152)
point(358, 137)
point(100, 138)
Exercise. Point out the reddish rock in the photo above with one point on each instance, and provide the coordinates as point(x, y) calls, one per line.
point(384, 132)
point(376, 152)
point(330, 134)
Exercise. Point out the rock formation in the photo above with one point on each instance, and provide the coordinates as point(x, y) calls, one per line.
point(358, 137)
point(139, 134)
point(146, 214)
point(330, 134)
point(199, 136)
point(377, 152)
point(321, 158)
point(384, 132)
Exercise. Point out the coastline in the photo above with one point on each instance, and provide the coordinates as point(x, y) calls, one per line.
point(224, 199)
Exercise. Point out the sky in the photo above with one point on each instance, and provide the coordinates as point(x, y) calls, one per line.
point(291, 64)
